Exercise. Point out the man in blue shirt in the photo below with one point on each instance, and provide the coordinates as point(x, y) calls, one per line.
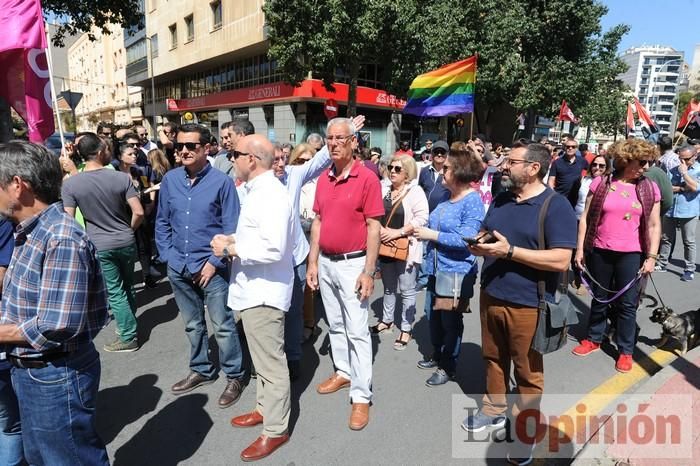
point(565, 173)
point(509, 297)
point(197, 202)
point(683, 213)
point(430, 178)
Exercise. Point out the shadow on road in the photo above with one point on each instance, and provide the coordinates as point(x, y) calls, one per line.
point(171, 436)
point(155, 316)
point(123, 405)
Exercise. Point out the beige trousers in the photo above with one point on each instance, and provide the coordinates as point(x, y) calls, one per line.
point(264, 330)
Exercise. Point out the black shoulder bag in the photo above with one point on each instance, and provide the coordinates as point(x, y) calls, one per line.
point(555, 318)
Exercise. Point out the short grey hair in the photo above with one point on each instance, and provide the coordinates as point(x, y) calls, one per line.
point(690, 149)
point(539, 153)
point(342, 121)
point(35, 165)
point(314, 138)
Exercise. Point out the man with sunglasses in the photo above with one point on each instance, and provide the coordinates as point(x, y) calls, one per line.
point(565, 172)
point(196, 203)
point(430, 178)
point(145, 144)
point(685, 179)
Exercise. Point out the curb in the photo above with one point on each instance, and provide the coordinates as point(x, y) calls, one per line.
point(596, 454)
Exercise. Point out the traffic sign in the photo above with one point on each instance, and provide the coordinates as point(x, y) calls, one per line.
point(330, 108)
point(72, 98)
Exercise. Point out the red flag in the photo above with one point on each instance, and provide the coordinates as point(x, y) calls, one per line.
point(645, 119)
point(565, 113)
point(23, 57)
point(689, 123)
point(630, 118)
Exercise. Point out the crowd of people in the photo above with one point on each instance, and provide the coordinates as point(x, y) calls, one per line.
point(252, 230)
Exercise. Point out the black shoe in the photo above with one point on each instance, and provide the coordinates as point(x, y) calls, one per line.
point(427, 364)
point(439, 377)
point(294, 370)
point(150, 282)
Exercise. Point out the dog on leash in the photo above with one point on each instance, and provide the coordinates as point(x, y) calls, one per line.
point(681, 327)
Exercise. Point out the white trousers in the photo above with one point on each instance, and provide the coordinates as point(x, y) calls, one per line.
point(348, 324)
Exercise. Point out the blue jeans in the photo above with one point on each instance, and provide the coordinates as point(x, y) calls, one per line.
point(10, 429)
point(294, 320)
point(614, 270)
point(190, 299)
point(57, 408)
point(446, 328)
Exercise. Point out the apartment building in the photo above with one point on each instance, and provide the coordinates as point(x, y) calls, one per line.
point(97, 69)
point(208, 60)
point(654, 75)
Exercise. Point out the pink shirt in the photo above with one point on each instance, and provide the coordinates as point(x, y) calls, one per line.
point(344, 205)
point(618, 229)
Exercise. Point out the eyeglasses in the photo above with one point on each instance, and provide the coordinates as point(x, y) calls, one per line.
point(688, 158)
point(395, 168)
point(598, 165)
point(338, 139)
point(510, 161)
point(133, 145)
point(190, 145)
point(237, 154)
point(571, 147)
point(644, 163)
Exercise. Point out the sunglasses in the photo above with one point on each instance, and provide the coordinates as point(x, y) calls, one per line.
point(439, 153)
point(133, 145)
point(571, 147)
point(235, 154)
point(143, 135)
point(395, 168)
point(598, 165)
point(644, 163)
point(190, 145)
point(445, 168)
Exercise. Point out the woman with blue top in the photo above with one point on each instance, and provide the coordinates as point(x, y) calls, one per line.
point(451, 221)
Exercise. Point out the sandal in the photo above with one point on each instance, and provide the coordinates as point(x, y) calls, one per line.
point(400, 344)
point(381, 328)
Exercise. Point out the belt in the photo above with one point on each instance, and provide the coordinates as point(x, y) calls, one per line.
point(344, 257)
point(35, 362)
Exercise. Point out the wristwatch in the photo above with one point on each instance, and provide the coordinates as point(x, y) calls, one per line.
point(509, 256)
point(370, 274)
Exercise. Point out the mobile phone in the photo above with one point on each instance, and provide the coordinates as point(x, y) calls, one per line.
point(471, 241)
point(484, 238)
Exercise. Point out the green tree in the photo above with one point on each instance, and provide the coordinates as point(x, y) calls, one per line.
point(78, 16)
point(333, 39)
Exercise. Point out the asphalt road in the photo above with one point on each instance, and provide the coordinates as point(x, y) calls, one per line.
point(142, 423)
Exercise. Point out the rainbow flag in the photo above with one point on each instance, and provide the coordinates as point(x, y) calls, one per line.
point(445, 91)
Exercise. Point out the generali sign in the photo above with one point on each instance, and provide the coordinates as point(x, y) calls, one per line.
point(310, 89)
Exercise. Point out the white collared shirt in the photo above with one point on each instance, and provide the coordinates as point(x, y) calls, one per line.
point(263, 271)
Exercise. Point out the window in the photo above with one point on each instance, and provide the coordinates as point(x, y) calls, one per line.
point(154, 45)
point(189, 25)
point(216, 16)
point(173, 35)
point(136, 52)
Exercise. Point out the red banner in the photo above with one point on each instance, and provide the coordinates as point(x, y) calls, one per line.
point(310, 89)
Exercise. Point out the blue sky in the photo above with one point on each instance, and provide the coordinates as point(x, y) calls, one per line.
point(663, 22)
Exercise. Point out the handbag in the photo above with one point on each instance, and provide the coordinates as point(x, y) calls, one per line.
point(553, 319)
point(453, 290)
point(397, 248)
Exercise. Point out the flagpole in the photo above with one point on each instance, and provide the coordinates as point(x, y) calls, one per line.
point(683, 131)
point(49, 61)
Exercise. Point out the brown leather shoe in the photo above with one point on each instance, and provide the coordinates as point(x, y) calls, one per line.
point(250, 419)
point(359, 417)
point(231, 393)
point(262, 447)
point(191, 382)
point(332, 384)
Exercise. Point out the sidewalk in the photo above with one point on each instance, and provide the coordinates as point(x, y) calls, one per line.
point(681, 377)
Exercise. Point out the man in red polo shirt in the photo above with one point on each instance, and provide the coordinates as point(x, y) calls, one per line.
point(345, 234)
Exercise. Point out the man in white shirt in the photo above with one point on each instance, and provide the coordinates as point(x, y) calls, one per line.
point(146, 144)
point(669, 159)
point(262, 275)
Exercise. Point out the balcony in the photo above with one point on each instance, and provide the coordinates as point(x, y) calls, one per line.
point(136, 67)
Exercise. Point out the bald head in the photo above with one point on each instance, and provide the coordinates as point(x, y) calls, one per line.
point(260, 147)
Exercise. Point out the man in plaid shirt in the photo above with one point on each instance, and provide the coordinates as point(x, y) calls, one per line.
point(54, 302)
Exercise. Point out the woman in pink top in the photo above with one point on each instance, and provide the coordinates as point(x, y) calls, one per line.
point(618, 238)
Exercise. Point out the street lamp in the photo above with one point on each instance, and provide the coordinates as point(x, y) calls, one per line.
point(657, 69)
point(149, 50)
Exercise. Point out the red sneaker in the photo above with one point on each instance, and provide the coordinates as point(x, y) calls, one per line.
point(624, 363)
point(585, 348)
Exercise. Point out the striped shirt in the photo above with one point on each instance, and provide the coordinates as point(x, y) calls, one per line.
point(53, 288)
